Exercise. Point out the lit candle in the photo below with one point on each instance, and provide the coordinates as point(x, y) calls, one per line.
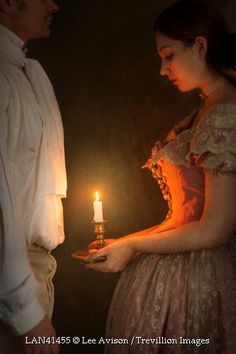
point(97, 206)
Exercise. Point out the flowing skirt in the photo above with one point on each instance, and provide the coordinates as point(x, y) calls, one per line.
point(177, 303)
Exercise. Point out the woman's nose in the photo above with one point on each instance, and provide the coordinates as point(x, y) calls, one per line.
point(163, 69)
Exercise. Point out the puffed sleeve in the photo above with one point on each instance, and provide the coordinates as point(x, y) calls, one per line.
point(213, 144)
point(19, 307)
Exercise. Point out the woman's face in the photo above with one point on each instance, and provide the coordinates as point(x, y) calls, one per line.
point(183, 65)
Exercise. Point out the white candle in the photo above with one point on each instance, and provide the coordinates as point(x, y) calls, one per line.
point(97, 206)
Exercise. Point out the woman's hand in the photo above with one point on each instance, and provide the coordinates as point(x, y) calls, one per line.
point(118, 254)
point(107, 242)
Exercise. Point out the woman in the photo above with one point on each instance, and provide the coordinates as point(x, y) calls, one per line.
point(178, 287)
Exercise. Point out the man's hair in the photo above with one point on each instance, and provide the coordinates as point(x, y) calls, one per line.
point(21, 4)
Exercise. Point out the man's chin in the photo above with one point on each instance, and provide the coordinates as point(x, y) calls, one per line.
point(46, 32)
point(42, 34)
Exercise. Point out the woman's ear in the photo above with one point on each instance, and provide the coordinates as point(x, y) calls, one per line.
point(202, 45)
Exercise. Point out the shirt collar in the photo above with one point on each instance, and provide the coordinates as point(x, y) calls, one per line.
point(11, 47)
point(12, 36)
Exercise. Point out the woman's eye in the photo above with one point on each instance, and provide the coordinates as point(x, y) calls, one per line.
point(169, 57)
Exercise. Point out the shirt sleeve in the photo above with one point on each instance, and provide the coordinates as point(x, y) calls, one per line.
point(19, 307)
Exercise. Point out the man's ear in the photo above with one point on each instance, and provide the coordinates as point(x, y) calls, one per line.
point(6, 6)
point(202, 46)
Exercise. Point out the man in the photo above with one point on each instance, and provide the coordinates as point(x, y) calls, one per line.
point(32, 180)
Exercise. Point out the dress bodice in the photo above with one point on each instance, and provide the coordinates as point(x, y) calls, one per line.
point(183, 189)
point(180, 162)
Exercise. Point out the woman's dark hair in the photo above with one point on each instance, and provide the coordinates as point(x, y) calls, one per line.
point(187, 19)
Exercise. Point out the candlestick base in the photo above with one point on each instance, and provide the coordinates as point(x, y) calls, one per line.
point(99, 231)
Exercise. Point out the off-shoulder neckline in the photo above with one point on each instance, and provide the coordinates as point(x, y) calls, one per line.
point(189, 126)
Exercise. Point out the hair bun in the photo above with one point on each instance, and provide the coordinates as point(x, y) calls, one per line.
point(231, 39)
point(229, 49)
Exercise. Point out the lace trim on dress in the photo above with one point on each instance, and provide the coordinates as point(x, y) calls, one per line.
point(161, 180)
point(210, 144)
point(213, 143)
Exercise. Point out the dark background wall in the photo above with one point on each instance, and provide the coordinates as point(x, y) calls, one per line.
point(101, 60)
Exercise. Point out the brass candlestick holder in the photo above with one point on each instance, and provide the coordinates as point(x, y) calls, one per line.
point(99, 231)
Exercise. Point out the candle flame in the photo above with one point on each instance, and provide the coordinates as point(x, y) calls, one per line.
point(97, 196)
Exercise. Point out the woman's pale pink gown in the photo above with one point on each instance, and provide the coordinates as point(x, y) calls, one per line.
point(192, 296)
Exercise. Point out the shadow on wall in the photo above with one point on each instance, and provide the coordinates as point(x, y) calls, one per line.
point(102, 62)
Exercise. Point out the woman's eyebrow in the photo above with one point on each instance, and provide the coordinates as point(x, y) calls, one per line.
point(162, 48)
